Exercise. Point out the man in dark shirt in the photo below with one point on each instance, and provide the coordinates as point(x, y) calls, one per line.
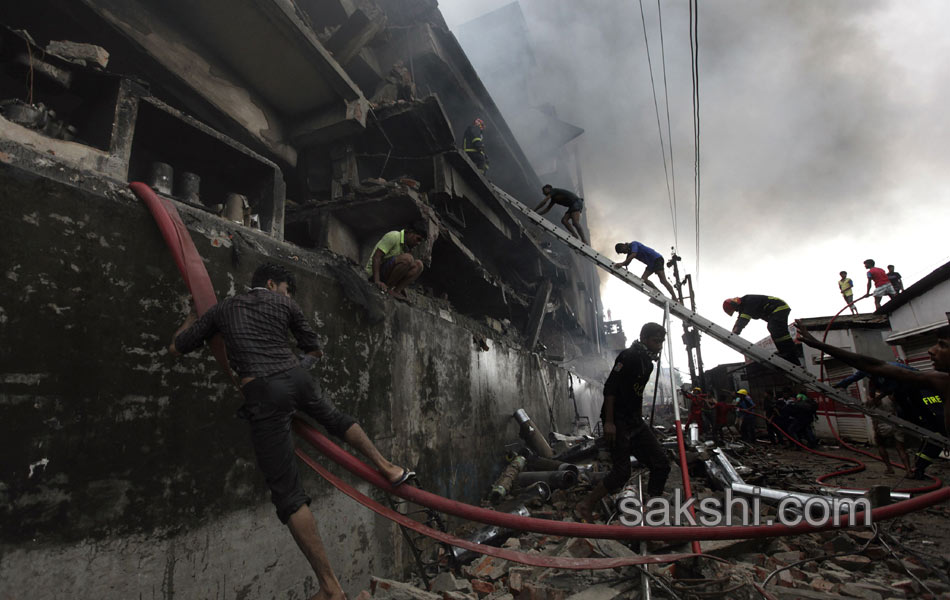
point(274, 384)
point(648, 256)
point(575, 205)
point(774, 311)
point(624, 429)
point(895, 278)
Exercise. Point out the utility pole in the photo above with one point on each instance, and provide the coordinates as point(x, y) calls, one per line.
point(690, 335)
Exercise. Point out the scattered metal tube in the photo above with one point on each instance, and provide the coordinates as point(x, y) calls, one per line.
point(536, 491)
point(160, 176)
point(187, 186)
point(486, 535)
point(506, 479)
point(842, 504)
point(531, 435)
point(849, 492)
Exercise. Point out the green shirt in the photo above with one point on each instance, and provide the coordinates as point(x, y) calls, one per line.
point(392, 244)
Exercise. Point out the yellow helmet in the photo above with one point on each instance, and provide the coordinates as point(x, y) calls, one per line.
point(744, 392)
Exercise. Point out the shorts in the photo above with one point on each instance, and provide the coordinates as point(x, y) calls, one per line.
point(269, 406)
point(884, 290)
point(577, 206)
point(385, 269)
point(657, 265)
point(886, 431)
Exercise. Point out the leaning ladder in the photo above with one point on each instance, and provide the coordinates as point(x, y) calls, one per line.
point(792, 371)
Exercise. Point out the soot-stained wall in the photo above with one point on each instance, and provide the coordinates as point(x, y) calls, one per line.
point(125, 472)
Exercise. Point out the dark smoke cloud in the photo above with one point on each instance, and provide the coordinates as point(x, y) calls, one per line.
point(824, 127)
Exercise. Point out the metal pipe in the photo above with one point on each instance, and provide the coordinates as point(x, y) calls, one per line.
point(506, 479)
point(850, 492)
point(531, 435)
point(727, 467)
point(536, 491)
point(644, 578)
point(486, 535)
point(687, 489)
point(160, 177)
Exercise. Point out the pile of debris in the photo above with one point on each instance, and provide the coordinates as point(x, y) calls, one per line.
point(546, 480)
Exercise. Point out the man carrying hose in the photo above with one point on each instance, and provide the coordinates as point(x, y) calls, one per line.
point(275, 384)
point(624, 429)
point(937, 381)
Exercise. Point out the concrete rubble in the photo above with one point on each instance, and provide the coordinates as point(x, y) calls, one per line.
point(869, 562)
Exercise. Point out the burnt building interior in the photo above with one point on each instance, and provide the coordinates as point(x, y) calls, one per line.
point(332, 122)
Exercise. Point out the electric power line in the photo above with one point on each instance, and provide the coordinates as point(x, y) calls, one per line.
point(669, 129)
point(659, 127)
point(694, 60)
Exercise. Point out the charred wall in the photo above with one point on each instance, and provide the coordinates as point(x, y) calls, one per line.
point(115, 454)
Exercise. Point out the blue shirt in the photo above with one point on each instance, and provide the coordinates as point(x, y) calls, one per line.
point(645, 254)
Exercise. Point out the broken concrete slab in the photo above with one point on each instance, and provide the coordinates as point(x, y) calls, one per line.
point(79, 52)
point(444, 582)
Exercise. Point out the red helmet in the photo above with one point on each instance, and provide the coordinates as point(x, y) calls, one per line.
point(479, 123)
point(730, 304)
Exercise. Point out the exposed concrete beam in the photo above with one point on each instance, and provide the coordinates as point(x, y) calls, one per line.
point(190, 62)
point(358, 30)
point(341, 120)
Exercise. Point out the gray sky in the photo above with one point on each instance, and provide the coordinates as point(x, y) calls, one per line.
point(825, 128)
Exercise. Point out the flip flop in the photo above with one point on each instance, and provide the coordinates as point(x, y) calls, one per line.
point(406, 476)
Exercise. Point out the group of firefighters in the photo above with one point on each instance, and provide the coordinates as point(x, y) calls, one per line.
point(795, 414)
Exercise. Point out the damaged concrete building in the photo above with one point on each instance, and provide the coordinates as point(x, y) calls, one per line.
point(295, 131)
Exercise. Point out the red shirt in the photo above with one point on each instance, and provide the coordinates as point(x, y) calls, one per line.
point(722, 412)
point(878, 276)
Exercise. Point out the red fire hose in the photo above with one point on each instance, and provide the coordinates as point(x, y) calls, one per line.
point(617, 532)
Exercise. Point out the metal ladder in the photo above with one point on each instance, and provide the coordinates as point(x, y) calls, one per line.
point(794, 372)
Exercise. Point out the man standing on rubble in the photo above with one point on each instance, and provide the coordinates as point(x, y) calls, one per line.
point(391, 266)
point(774, 311)
point(575, 206)
point(275, 384)
point(938, 381)
point(473, 143)
point(624, 429)
point(648, 256)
